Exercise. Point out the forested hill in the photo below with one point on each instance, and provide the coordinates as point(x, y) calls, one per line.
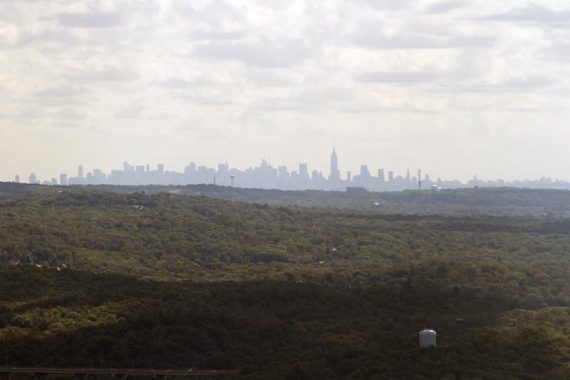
point(460, 202)
point(492, 199)
point(11, 189)
point(171, 237)
point(476, 201)
point(101, 278)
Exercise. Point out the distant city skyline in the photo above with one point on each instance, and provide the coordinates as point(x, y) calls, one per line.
point(266, 176)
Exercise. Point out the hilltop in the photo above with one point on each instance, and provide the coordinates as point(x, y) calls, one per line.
point(166, 236)
point(458, 202)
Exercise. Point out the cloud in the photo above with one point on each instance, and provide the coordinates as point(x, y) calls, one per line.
point(60, 37)
point(178, 83)
point(446, 6)
point(218, 35)
point(529, 83)
point(420, 42)
point(140, 111)
point(388, 4)
point(306, 99)
point(129, 112)
point(401, 77)
point(200, 80)
point(92, 19)
point(57, 96)
point(8, 35)
point(199, 99)
point(532, 13)
point(60, 92)
point(274, 78)
point(514, 85)
point(103, 75)
point(68, 114)
point(268, 54)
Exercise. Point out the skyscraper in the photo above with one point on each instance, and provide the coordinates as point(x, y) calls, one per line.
point(335, 173)
point(419, 179)
point(364, 172)
point(303, 170)
point(381, 175)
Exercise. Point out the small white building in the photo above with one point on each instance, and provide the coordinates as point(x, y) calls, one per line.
point(428, 338)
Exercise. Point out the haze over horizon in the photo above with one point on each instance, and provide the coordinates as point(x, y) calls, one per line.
point(455, 87)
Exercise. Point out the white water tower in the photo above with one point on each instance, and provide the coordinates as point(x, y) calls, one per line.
point(428, 338)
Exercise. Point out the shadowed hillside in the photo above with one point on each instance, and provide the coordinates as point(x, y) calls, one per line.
point(272, 330)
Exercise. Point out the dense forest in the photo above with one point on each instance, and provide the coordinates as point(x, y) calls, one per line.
point(111, 279)
point(450, 202)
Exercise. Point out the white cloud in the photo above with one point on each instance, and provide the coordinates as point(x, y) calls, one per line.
point(445, 6)
point(268, 53)
point(399, 77)
point(533, 13)
point(421, 42)
point(92, 19)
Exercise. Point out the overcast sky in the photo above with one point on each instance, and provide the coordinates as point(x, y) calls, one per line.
point(456, 87)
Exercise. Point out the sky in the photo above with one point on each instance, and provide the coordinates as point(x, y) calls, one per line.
point(455, 87)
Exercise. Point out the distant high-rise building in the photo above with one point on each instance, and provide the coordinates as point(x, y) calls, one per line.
point(223, 167)
point(63, 179)
point(282, 170)
point(98, 176)
point(160, 169)
point(32, 179)
point(128, 173)
point(303, 170)
point(335, 173)
point(381, 175)
point(189, 171)
point(390, 176)
point(80, 172)
point(419, 179)
point(349, 176)
point(17, 178)
point(364, 172)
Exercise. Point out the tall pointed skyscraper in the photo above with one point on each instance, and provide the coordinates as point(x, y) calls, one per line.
point(335, 173)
